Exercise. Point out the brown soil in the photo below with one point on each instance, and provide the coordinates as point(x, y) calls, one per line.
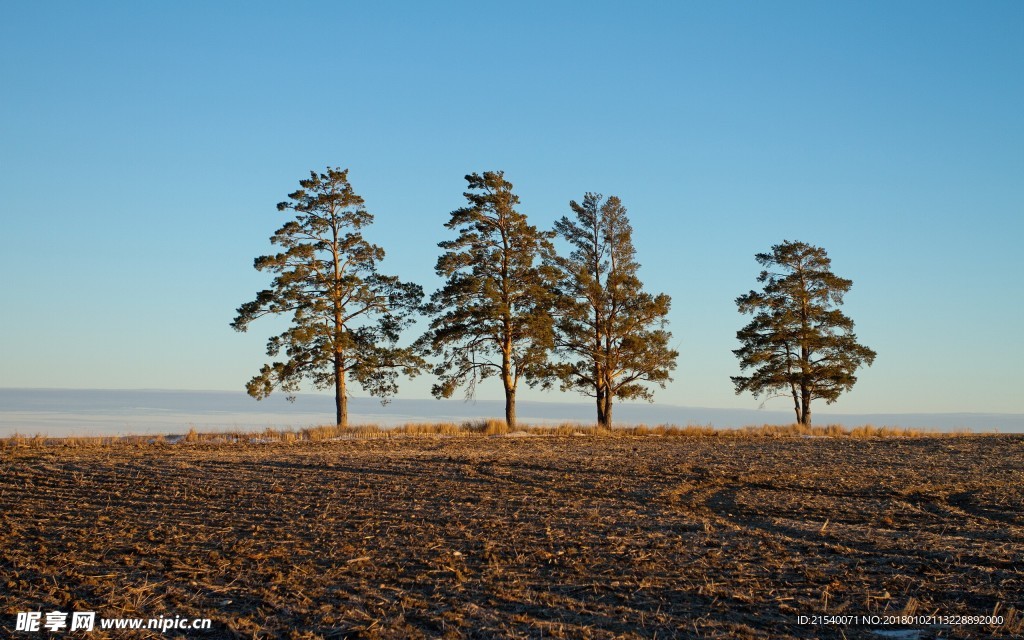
point(472, 537)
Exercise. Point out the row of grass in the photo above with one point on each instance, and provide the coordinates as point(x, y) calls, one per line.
point(471, 429)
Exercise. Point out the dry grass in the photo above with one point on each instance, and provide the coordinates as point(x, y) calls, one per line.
point(489, 427)
point(710, 535)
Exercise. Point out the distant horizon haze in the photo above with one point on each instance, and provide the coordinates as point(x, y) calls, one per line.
point(85, 412)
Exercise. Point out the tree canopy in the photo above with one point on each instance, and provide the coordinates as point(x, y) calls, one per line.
point(798, 343)
point(346, 317)
point(491, 316)
point(611, 333)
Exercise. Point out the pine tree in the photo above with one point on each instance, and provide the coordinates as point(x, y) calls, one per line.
point(346, 317)
point(492, 315)
point(798, 343)
point(611, 333)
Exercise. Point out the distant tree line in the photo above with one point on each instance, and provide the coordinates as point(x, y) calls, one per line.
point(514, 308)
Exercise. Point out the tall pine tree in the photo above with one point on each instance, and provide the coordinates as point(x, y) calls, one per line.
point(346, 316)
point(492, 316)
point(798, 344)
point(611, 333)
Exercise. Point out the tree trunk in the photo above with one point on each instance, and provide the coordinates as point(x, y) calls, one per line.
point(601, 420)
point(510, 408)
point(507, 379)
point(340, 395)
point(607, 424)
point(807, 409)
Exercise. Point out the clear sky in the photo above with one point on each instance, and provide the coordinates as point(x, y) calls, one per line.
point(143, 147)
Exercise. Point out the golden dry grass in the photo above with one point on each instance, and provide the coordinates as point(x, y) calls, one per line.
point(489, 427)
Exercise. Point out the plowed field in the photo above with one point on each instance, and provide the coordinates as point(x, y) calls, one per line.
point(530, 537)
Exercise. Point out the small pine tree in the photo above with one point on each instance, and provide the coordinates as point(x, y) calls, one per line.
point(611, 333)
point(346, 317)
point(492, 315)
point(799, 344)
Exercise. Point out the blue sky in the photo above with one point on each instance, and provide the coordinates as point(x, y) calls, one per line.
point(143, 147)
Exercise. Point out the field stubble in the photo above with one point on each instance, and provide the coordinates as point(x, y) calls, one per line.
point(549, 536)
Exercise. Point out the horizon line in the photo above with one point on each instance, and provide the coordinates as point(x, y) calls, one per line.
point(519, 401)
